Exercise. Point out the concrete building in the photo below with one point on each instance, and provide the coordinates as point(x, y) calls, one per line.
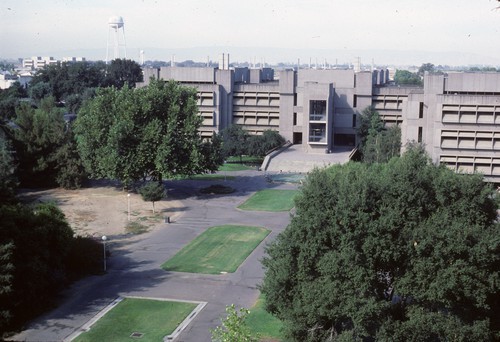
point(315, 108)
point(38, 62)
point(7, 79)
point(455, 116)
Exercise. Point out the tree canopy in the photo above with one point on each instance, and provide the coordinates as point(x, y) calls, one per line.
point(7, 168)
point(38, 257)
point(426, 67)
point(399, 251)
point(377, 142)
point(123, 71)
point(45, 148)
point(236, 141)
point(132, 134)
point(405, 77)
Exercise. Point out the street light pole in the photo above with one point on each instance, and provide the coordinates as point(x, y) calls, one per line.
point(104, 238)
point(128, 199)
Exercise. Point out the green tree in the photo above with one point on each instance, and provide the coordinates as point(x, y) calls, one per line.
point(426, 67)
point(41, 238)
point(6, 270)
point(10, 99)
point(377, 142)
point(260, 145)
point(69, 170)
point(132, 134)
point(123, 71)
point(39, 91)
point(399, 251)
point(7, 176)
point(234, 141)
point(405, 77)
point(234, 327)
point(68, 78)
point(45, 148)
point(152, 192)
point(38, 134)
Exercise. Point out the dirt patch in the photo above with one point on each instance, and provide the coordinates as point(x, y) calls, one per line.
point(104, 210)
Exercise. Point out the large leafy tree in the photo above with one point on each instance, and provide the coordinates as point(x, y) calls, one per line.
point(234, 141)
point(405, 77)
point(123, 71)
point(377, 142)
point(64, 79)
point(260, 145)
point(399, 251)
point(132, 134)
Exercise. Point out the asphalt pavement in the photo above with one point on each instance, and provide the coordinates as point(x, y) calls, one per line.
point(134, 264)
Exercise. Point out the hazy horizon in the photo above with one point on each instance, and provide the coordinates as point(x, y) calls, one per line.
point(391, 32)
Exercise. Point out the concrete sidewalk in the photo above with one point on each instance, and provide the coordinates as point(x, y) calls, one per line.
point(294, 159)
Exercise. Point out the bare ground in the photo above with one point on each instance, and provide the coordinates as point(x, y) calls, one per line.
point(103, 209)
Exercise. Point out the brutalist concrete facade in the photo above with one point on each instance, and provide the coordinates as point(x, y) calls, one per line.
point(457, 118)
point(315, 108)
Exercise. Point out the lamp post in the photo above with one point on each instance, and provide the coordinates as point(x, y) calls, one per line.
point(128, 200)
point(104, 238)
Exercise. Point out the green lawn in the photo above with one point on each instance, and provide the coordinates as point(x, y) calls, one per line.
point(218, 249)
point(245, 159)
point(154, 318)
point(235, 167)
point(263, 323)
point(270, 200)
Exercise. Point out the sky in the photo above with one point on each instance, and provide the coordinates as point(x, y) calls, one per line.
point(453, 32)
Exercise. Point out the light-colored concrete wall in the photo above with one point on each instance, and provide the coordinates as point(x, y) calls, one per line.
point(313, 91)
point(189, 75)
point(286, 86)
point(473, 82)
point(340, 78)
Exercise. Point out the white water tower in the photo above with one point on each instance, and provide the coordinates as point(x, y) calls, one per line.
point(117, 42)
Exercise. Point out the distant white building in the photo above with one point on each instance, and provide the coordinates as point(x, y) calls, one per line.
point(73, 59)
point(7, 79)
point(38, 62)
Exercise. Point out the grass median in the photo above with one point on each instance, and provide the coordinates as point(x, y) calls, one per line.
point(270, 200)
point(220, 249)
point(154, 319)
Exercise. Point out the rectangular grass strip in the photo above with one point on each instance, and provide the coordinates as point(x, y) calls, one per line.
point(154, 319)
point(270, 200)
point(219, 249)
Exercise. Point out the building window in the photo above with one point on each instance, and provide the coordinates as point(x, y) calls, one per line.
point(355, 101)
point(419, 138)
point(318, 107)
point(421, 111)
point(317, 110)
point(354, 121)
point(317, 133)
point(295, 119)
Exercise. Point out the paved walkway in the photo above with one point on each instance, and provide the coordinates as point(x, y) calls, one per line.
point(294, 159)
point(134, 266)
